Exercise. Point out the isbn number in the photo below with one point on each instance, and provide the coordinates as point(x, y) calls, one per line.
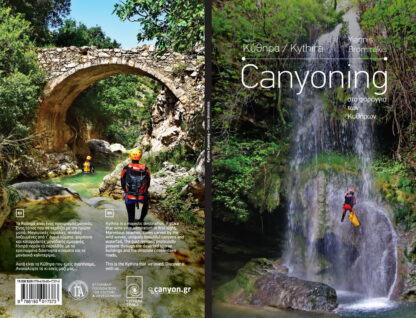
point(38, 291)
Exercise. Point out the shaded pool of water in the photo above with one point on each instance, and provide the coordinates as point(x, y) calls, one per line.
point(369, 308)
point(86, 185)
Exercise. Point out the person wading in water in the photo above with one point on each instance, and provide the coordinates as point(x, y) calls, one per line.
point(88, 166)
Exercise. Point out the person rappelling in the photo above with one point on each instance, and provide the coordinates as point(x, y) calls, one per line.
point(349, 202)
point(88, 166)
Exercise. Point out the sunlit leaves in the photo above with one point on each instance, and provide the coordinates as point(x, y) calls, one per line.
point(176, 24)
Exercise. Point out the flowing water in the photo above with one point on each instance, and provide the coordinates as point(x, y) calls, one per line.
point(319, 246)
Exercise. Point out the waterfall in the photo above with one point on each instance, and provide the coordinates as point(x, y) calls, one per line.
point(319, 247)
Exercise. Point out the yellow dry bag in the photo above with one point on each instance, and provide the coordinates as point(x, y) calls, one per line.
point(353, 219)
point(87, 166)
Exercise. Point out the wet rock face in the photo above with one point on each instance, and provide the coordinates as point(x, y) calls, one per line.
point(36, 191)
point(332, 245)
point(263, 282)
point(409, 267)
point(331, 249)
point(281, 291)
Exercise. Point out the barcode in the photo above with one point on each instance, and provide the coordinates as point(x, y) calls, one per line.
point(38, 291)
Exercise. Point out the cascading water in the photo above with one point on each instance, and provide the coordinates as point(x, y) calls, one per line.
point(320, 247)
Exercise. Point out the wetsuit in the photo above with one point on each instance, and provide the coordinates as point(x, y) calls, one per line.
point(142, 195)
point(348, 204)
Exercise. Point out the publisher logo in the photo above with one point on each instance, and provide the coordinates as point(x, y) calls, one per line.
point(78, 289)
point(134, 287)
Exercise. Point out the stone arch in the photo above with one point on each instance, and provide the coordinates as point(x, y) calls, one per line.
point(69, 71)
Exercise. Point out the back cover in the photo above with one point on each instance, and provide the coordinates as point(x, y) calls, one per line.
point(101, 159)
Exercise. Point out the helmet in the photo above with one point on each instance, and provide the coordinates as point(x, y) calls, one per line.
point(351, 190)
point(89, 158)
point(135, 154)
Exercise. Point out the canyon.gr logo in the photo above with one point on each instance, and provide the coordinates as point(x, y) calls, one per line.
point(78, 290)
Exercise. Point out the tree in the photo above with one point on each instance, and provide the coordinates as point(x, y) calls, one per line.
point(20, 82)
point(118, 107)
point(71, 33)
point(391, 26)
point(176, 24)
point(20, 77)
point(42, 15)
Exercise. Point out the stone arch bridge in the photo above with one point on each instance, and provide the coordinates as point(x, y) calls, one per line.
point(70, 70)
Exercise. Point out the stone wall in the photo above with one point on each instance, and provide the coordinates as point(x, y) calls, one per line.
point(71, 70)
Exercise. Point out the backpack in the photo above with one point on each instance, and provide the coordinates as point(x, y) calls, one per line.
point(349, 199)
point(137, 179)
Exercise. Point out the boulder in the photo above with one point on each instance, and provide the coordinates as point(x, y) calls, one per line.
point(99, 145)
point(282, 291)
point(168, 176)
point(37, 191)
point(102, 151)
point(266, 283)
point(117, 148)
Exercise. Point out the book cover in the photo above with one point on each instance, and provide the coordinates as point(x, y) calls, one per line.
point(314, 158)
point(101, 159)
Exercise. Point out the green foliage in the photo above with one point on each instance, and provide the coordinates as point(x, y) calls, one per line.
point(173, 24)
point(178, 155)
point(20, 77)
point(237, 166)
point(398, 188)
point(42, 15)
point(390, 24)
point(71, 33)
point(179, 69)
point(335, 102)
point(240, 24)
point(119, 107)
point(180, 206)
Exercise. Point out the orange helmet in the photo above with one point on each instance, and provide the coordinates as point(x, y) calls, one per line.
point(89, 158)
point(351, 190)
point(135, 154)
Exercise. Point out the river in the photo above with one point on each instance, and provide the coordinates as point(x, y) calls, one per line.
point(91, 208)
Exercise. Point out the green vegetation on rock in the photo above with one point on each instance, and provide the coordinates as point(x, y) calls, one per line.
point(177, 205)
point(242, 181)
point(244, 280)
point(398, 188)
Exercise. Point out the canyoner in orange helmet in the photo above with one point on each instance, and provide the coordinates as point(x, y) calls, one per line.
point(88, 166)
point(135, 181)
